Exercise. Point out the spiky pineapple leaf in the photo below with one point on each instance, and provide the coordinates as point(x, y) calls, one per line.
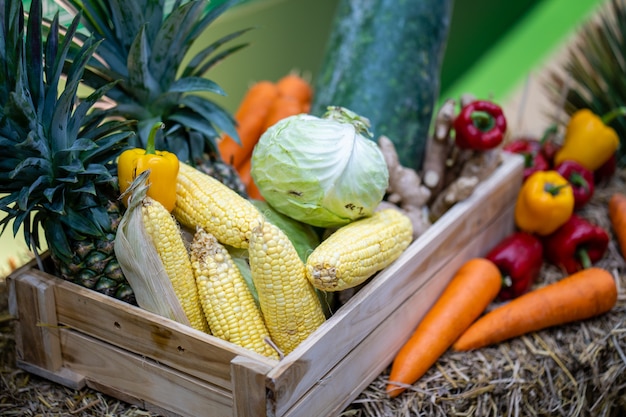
point(172, 43)
point(34, 56)
point(140, 78)
point(153, 82)
point(206, 66)
point(213, 113)
point(187, 117)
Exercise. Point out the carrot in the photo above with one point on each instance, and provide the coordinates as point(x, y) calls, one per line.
point(246, 178)
point(282, 107)
point(473, 287)
point(293, 85)
point(617, 214)
point(250, 117)
point(580, 296)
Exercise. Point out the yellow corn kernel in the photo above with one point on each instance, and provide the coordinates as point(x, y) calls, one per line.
point(355, 252)
point(289, 304)
point(203, 201)
point(227, 302)
point(168, 242)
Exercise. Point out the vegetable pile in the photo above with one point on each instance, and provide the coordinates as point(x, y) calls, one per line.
point(476, 310)
point(327, 208)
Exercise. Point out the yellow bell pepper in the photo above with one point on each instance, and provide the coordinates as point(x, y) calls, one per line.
point(588, 140)
point(163, 168)
point(544, 203)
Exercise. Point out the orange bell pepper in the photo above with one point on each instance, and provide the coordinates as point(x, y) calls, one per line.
point(544, 203)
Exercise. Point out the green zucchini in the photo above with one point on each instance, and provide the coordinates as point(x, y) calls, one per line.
point(383, 61)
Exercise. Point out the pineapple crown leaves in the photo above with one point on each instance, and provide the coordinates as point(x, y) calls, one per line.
point(57, 157)
point(144, 48)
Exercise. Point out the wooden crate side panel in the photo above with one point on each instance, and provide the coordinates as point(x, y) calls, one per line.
point(249, 393)
point(37, 333)
point(337, 389)
point(130, 328)
point(310, 361)
point(142, 381)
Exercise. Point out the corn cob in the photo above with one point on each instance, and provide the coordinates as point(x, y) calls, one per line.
point(289, 304)
point(168, 242)
point(227, 302)
point(203, 201)
point(358, 250)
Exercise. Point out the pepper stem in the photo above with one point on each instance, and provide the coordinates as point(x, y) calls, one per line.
point(548, 133)
point(507, 281)
point(578, 180)
point(608, 117)
point(483, 121)
point(150, 146)
point(554, 189)
point(584, 258)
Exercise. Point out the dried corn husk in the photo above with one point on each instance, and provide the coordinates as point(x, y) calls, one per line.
point(140, 261)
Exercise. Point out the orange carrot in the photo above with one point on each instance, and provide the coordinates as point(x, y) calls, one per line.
point(473, 287)
point(250, 117)
point(617, 214)
point(246, 178)
point(282, 107)
point(580, 296)
point(293, 85)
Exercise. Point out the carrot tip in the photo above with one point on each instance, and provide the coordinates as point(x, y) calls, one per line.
point(394, 390)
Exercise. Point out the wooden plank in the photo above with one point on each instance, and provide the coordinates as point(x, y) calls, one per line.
point(249, 393)
point(62, 376)
point(136, 330)
point(332, 393)
point(310, 361)
point(37, 333)
point(114, 371)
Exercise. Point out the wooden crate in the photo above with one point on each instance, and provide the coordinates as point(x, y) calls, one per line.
point(78, 337)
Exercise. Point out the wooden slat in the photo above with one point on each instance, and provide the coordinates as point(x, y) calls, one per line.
point(114, 371)
point(136, 330)
point(37, 333)
point(342, 332)
point(361, 366)
point(249, 387)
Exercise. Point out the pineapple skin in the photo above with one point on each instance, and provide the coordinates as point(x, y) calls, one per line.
point(94, 264)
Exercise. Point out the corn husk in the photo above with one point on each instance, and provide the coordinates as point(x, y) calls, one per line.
point(140, 261)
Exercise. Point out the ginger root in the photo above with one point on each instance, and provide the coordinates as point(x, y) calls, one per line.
point(405, 191)
point(438, 147)
point(478, 167)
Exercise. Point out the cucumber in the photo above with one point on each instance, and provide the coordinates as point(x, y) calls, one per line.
point(383, 61)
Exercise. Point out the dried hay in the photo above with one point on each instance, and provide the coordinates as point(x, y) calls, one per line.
point(574, 370)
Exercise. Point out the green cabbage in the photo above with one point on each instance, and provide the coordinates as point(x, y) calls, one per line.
point(321, 171)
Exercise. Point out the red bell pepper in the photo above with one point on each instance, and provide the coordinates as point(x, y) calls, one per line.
point(581, 180)
point(480, 126)
point(606, 170)
point(549, 147)
point(519, 258)
point(576, 245)
point(530, 149)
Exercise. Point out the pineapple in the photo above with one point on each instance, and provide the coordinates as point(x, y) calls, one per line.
point(57, 166)
point(594, 70)
point(144, 47)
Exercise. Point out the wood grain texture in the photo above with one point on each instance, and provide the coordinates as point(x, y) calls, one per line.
point(162, 365)
point(37, 332)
